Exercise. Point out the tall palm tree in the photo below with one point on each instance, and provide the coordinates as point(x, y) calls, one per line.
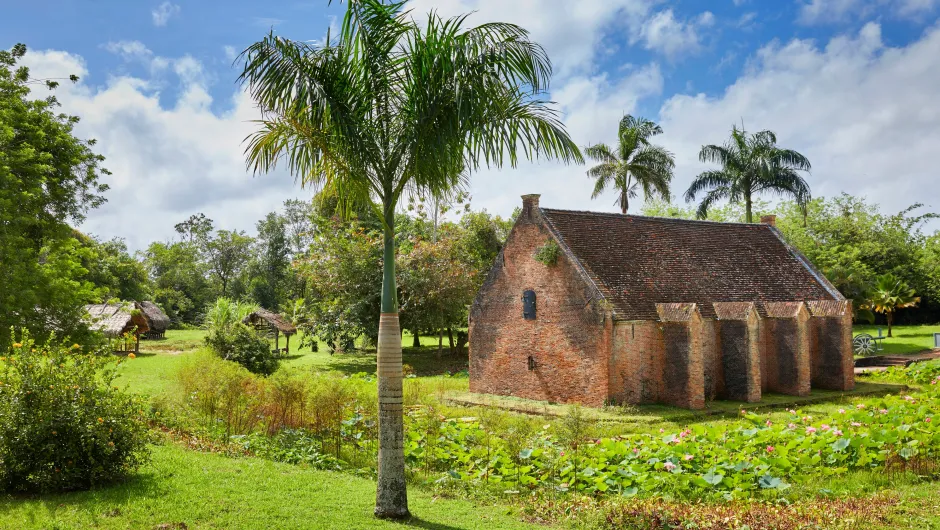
point(635, 164)
point(890, 294)
point(751, 164)
point(390, 108)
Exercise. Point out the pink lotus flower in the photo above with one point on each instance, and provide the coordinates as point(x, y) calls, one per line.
point(810, 430)
point(860, 406)
point(884, 411)
point(791, 426)
point(635, 450)
point(856, 424)
point(662, 431)
point(825, 427)
point(743, 411)
point(688, 457)
point(837, 432)
point(927, 420)
point(841, 411)
point(769, 423)
point(669, 466)
point(791, 411)
point(770, 449)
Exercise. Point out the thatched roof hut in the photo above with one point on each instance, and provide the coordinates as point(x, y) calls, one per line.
point(262, 318)
point(156, 319)
point(114, 320)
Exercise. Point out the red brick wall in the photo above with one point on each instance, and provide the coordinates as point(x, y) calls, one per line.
point(712, 357)
point(785, 354)
point(831, 346)
point(636, 362)
point(569, 340)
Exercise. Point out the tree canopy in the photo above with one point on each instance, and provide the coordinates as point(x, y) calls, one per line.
point(751, 164)
point(633, 165)
point(49, 179)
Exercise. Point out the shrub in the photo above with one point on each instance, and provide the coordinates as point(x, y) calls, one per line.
point(547, 254)
point(63, 425)
point(234, 341)
point(246, 347)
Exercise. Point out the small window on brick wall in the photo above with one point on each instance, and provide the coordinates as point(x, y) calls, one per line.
point(528, 304)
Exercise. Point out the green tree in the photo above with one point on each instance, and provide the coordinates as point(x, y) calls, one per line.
point(890, 294)
point(635, 164)
point(270, 271)
point(179, 276)
point(391, 107)
point(228, 253)
point(196, 229)
point(751, 164)
point(298, 225)
point(49, 179)
point(438, 283)
point(113, 270)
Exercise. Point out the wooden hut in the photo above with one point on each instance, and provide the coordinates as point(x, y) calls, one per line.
point(156, 320)
point(264, 319)
point(114, 321)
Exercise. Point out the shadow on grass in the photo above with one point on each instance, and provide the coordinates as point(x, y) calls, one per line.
point(424, 361)
point(417, 522)
point(143, 484)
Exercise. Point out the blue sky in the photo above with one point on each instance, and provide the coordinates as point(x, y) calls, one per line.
point(851, 83)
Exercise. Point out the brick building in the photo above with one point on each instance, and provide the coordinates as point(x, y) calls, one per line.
point(650, 310)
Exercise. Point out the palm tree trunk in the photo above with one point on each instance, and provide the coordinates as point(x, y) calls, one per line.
point(391, 498)
point(623, 202)
point(415, 339)
point(889, 316)
point(747, 210)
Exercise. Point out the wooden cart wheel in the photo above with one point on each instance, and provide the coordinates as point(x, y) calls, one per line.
point(863, 345)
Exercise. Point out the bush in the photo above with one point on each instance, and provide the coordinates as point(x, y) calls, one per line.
point(63, 425)
point(234, 341)
point(246, 347)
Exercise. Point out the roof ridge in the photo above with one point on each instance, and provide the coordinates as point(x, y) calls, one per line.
point(654, 218)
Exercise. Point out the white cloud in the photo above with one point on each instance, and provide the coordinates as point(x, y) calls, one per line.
point(230, 53)
point(163, 13)
point(664, 33)
point(167, 162)
point(828, 11)
point(863, 113)
point(571, 32)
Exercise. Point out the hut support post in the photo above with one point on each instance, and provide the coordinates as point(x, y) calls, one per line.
point(287, 347)
point(137, 343)
point(277, 339)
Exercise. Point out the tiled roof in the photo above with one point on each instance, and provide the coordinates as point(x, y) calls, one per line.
point(781, 309)
point(637, 262)
point(675, 312)
point(733, 310)
point(828, 308)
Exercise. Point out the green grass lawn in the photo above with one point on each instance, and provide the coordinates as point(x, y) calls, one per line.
point(155, 368)
point(905, 339)
point(204, 490)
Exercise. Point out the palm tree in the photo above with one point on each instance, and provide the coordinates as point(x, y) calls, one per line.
point(751, 164)
point(391, 108)
point(890, 294)
point(636, 163)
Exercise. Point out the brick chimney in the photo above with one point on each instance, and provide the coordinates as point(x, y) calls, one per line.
point(530, 203)
point(770, 220)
